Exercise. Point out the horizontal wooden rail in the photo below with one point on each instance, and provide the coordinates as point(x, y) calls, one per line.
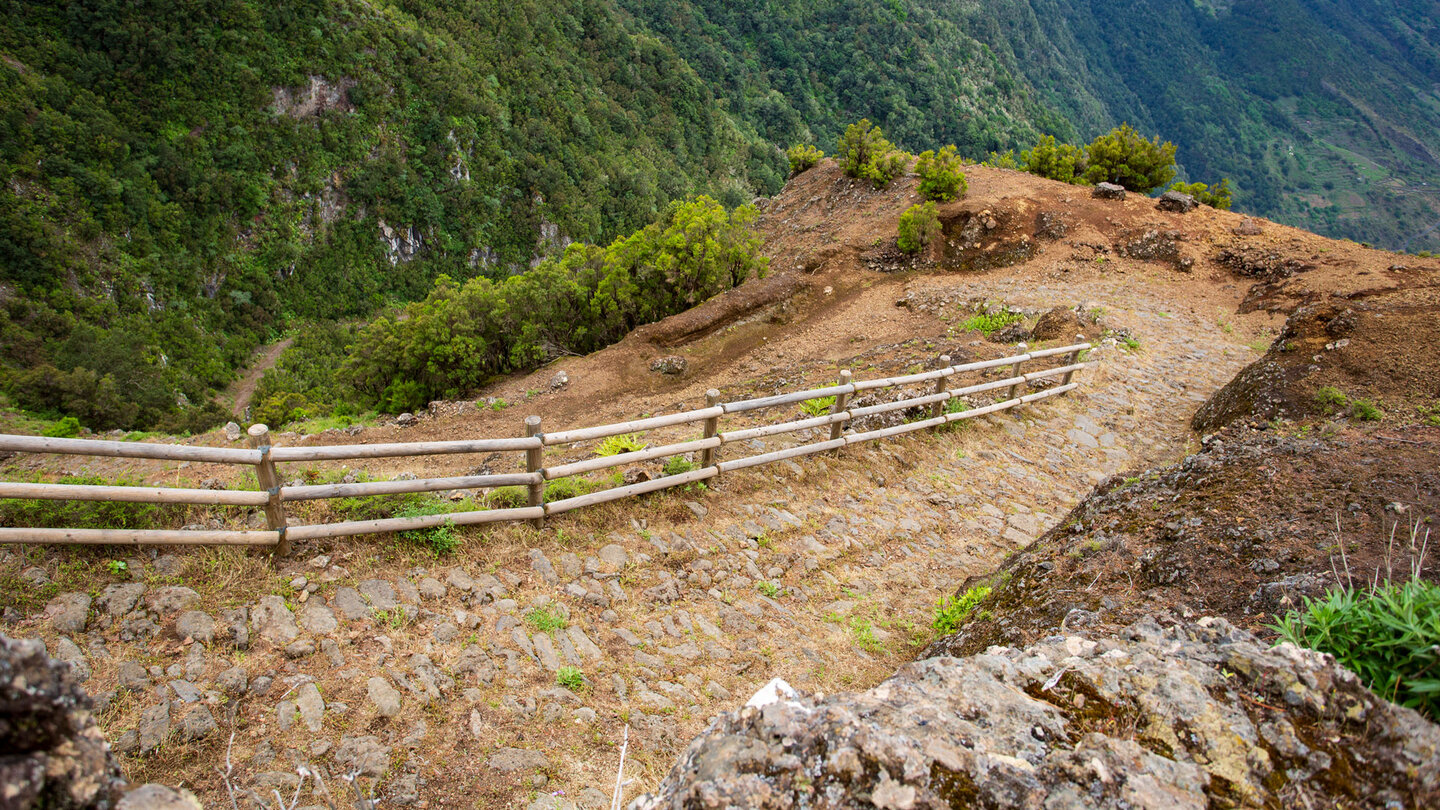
point(635, 426)
point(97, 447)
point(616, 493)
point(87, 492)
point(361, 489)
point(787, 399)
point(621, 459)
point(130, 537)
point(335, 452)
point(404, 524)
point(264, 456)
point(781, 455)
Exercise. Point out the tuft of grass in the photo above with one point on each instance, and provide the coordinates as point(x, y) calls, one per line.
point(863, 634)
point(1388, 635)
point(394, 618)
point(572, 678)
point(615, 445)
point(987, 323)
point(819, 406)
point(1331, 398)
point(545, 618)
point(676, 465)
point(951, 613)
point(36, 513)
point(1430, 413)
point(1366, 411)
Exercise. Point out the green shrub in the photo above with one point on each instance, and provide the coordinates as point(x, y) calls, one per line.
point(918, 226)
point(1125, 158)
point(819, 406)
point(1216, 196)
point(802, 157)
point(940, 175)
point(545, 618)
point(572, 678)
point(1055, 160)
point(1002, 160)
point(677, 465)
point(865, 153)
point(67, 428)
point(951, 613)
point(1331, 398)
point(988, 322)
point(615, 445)
point(1389, 636)
point(1366, 411)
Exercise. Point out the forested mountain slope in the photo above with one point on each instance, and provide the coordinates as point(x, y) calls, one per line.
point(179, 182)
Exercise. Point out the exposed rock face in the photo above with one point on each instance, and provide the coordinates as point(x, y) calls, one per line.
point(1177, 202)
point(670, 364)
point(1108, 191)
point(1192, 716)
point(52, 753)
point(1060, 323)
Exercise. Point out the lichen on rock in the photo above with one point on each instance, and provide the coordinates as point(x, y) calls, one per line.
point(1193, 715)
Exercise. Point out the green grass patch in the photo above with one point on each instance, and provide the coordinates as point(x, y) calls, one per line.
point(988, 322)
point(572, 678)
point(545, 618)
point(1389, 636)
point(950, 613)
point(677, 465)
point(36, 513)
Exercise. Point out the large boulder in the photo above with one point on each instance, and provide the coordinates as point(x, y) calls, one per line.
point(52, 754)
point(1191, 716)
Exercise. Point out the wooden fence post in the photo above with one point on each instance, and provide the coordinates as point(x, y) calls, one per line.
point(534, 457)
point(941, 386)
point(270, 483)
point(1015, 372)
point(712, 426)
point(1071, 359)
point(840, 399)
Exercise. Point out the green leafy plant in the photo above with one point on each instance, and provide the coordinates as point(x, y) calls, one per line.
point(1389, 635)
point(1002, 160)
point(615, 445)
point(572, 678)
point(676, 465)
point(990, 322)
point(950, 613)
point(394, 618)
point(918, 225)
point(545, 618)
point(802, 157)
point(1430, 413)
point(819, 406)
point(940, 176)
point(117, 567)
point(1216, 196)
point(862, 632)
point(768, 588)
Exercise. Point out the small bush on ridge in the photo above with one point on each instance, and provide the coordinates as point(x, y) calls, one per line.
point(802, 157)
point(1216, 196)
point(940, 175)
point(865, 153)
point(918, 226)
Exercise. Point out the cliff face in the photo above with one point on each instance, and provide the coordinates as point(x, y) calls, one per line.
point(1186, 716)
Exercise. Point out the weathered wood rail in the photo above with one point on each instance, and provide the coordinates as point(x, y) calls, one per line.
point(272, 495)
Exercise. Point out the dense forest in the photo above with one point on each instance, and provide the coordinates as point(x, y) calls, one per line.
point(182, 182)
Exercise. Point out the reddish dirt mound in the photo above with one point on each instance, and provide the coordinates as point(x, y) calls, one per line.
point(1242, 529)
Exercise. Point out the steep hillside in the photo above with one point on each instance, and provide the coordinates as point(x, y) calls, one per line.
point(437, 676)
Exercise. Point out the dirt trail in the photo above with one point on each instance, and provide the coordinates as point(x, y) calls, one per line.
point(239, 393)
point(440, 678)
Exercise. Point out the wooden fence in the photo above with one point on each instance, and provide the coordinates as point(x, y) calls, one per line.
point(272, 496)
